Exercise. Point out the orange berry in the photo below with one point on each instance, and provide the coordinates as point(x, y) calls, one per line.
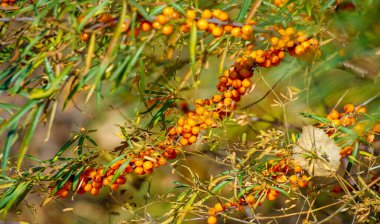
point(184, 141)
point(293, 179)
point(228, 28)
point(162, 19)
point(167, 29)
point(168, 11)
point(206, 14)
point(191, 14)
point(192, 139)
point(246, 83)
point(145, 26)
point(175, 15)
point(361, 110)
point(186, 128)
point(200, 110)
point(247, 30)
point(182, 121)
point(236, 32)
point(334, 114)
point(217, 31)
point(156, 25)
point(88, 187)
point(223, 16)
point(84, 36)
point(94, 191)
point(290, 31)
point(63, 193)
point(218, 207)
point(271, 197)
point(274, 41)
point(139, 163)
point(250, 199)
point(212, 220)
point(211, 211)
point(162, 161)
point(195, 130)
point(297, 169)
point(217, 98)
point(299, 50)
point(202, 24)
point(376, 128)
point(105, 18)
point(114, 186)
point(148, 165)
point(349, 108)
point(139, 170)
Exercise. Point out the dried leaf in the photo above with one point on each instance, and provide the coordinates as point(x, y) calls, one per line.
point(316, 152)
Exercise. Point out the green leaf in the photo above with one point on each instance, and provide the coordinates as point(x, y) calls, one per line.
point(244, 10)
point(10, 139)
point(120, 170)
point(64, 147)
point(28, 136)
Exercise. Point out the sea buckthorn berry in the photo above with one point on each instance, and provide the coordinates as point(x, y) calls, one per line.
point(192, 139)
point(218, 207)
point(206, 14)
point(290, 31)
point(274, 41)
point(216, 13)
point(88, 187)
point(223, 16)
point(195, 130)
point(227, 28)
point(236, 32)
point(250, 199)
point(361, 110)
point(217, 31)
point(148, 165)
point(212, 220)
point(156, 25)
point(247, 30)
point(305, 44)
point(184, 141)
point(186, 128)
point(191, 14)
point(175, 15)
point(202, 24)
point(211, 211)
point(293, 179)
point(145, 26)
point(139, 170)
point(349, 108)
point(271, 197)
point(246, 83)
point(167, 29)
point(162, 19)
point(376, 128)
point(139, 162)
point(299, 50)
point(94, 191)
point(168, 11)
point(334, 114)
point(114, 186)
point(217, 98)
point(297, 169)
point(84, 36)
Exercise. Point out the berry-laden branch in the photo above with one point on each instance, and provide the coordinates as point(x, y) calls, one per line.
point(233, 84)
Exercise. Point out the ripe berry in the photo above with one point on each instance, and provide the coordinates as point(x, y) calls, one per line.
point(218, 207)
point(236, 32)
point(212, 220)
point(168, 11)
point(167, 29)
point(247, 30)
point(217, 31)
point(202, 24)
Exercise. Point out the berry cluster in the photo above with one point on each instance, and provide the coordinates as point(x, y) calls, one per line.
point(277, 171)
point(215, 22)
point(6, 3)
point(348, 117)
point(93, 179)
